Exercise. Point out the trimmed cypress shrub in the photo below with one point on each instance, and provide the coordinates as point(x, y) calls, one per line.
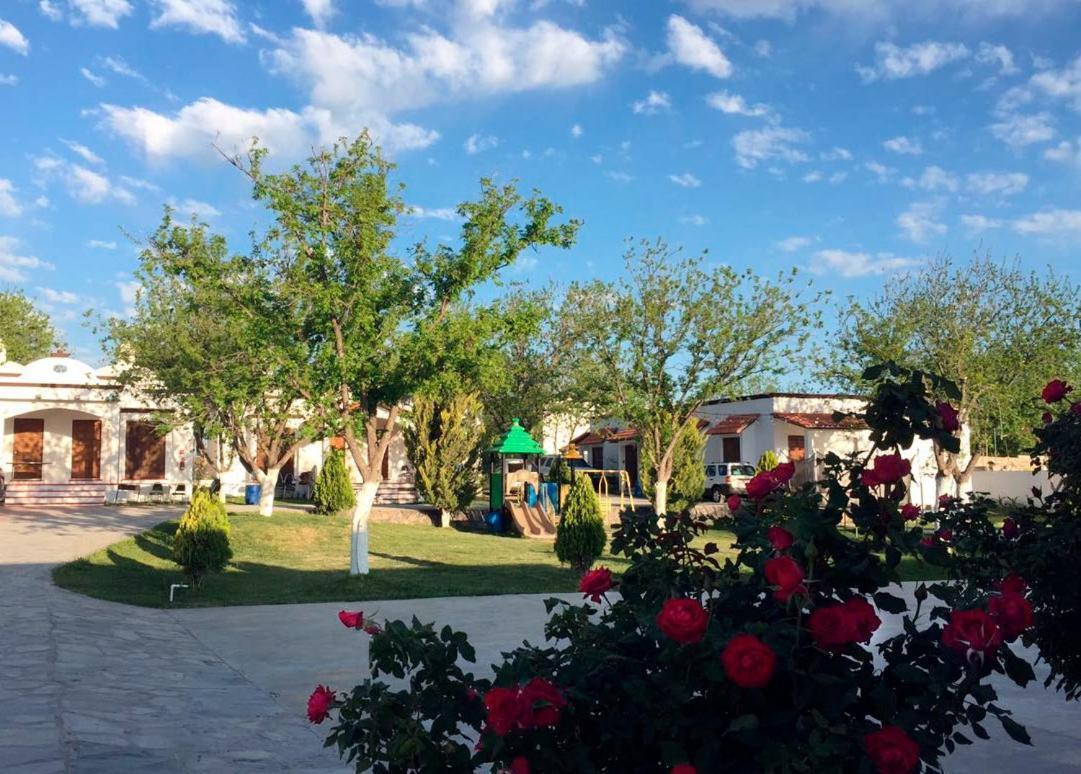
point(201, 542)
point(580, 534)
point(333, 491)
point(767, 462)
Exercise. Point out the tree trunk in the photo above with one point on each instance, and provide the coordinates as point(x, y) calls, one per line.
point(444, 517)
point(660, 495)
point(267, 483)
point(358, 554)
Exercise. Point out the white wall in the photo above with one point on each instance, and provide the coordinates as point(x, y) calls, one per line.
point(1009, 484)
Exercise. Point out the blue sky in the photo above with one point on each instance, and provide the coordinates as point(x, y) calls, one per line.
point(850, 138)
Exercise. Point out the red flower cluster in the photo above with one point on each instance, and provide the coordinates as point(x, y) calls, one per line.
point(1055, 390)
point(951, 423)
point(320, 703)
point(887, 469)
point(683, 620)
point(520, 765)
point(536, 704)
point(972, 634)
point(1012, 584)
point(910, 512)
point(1010, 528)
point(1013, 614)
point(787, 576)
point(748, 661)
point(767, 481)
point(733, 502)
point(833, 627)
point(355, 620)
point(596, 582)
point(683, 768)
point(780, 538)
point(891, 750)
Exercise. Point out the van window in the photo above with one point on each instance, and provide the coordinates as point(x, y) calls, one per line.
point(711, 470)
point(744, 470)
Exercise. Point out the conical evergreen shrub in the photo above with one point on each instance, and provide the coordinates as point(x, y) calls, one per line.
point(333, 491)
point(201, 542)
point(580, 535)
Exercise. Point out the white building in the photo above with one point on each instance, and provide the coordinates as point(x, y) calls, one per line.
point(797, 427)
point(71, 435)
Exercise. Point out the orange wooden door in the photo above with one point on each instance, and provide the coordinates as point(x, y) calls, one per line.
point(85, 449)
point(29, 443)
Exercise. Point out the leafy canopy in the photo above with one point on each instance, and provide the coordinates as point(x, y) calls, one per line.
point(25, 331)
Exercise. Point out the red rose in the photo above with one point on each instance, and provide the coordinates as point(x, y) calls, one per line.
point(971, 634)
point(910, 512)
point(832, 627)
point(1047, 418)
point(780, 538)
point(864, 617)
point(951, 423)
point(1055, 390)
point(888, 469)
point(1012, 584)
point(1010, 528)
point(351, 620)
point(944, 535)
point(946, 501)
point(503, 709)
point(595, 582)
point(1013, 614)
point(760, 485)
point(734, 502)
point(320, 703)
point(748, 661)
point(683, 768)
point(539, 704)
point(927, 542)
point(787, 576)
point(783, 473)
point(519, 765)
point(372, 629)
point(683, 620)
point(891, 750)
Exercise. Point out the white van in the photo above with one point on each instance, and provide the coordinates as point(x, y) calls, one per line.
point(726, 478)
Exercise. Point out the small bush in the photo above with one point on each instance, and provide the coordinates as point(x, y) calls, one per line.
point(767, 462)
point(201, 542)
point(333, 491)
point(688, 480)
point(580, 536)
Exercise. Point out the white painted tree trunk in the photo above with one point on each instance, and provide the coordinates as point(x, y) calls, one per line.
point(660, 496)
point(267, 482)
point(358, 554)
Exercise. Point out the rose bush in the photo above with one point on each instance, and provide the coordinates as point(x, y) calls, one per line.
point(759, 662)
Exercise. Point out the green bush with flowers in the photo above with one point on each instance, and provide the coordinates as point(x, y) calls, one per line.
point(762, 662)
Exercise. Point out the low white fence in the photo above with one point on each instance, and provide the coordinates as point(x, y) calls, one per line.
point(1009, 484)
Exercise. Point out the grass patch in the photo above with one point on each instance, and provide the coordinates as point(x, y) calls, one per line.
point(300, 557)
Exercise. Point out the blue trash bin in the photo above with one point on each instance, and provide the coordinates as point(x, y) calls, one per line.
point(251, 494)
point(495, 521)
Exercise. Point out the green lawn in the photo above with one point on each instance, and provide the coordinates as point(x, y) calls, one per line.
point(299, 557)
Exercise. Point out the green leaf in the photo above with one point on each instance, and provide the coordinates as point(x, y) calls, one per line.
point(890, 603)
point(1016, 731)
point(1018, 670)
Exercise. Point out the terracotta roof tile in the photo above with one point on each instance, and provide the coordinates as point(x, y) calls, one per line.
point(820, 421)
point(733, 424)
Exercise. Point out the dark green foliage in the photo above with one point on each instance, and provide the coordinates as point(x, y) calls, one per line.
point(768, 461)
point(688, 480)
point(201, 542)
point(25, 331)
point(580, 535)
point(444, 442)
point(333, 490)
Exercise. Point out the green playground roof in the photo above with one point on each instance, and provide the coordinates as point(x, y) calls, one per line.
point(517, 440)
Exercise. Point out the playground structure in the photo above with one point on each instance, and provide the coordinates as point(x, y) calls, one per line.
point(600, 477)
point(514, 484)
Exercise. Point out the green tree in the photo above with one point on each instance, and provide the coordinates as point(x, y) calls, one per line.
point(996, 331)
point(688, 480)
point(580, 534)
point(768, 461)
point(444, 439)
point(26, 332)
point(382, 323)
point(216, 337)
point(333, 490)
point(201, 541)
point(672, 333)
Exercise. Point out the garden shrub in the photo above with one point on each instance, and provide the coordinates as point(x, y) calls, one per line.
point(580, 534)
point(333, 490)
point(762, 662)
point(201, 541)
point(444, 440)
point(767, 462)
point(688, 481)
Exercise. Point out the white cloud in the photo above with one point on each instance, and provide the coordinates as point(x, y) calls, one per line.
point(685, 180)
point(813, 176)
point(837, 153)
point(50, 10)
point(98, 244)
point(793, 243)
point(212, 17)
point(13, 267)
point(9, 205)
point(619, 177)
point(42, 201)
point(933, 178)
point(135, 182)
point(83, 184)
point(1065, 152)
point(129, 290)
point(1018, 130)
point(920, 221)
point(576, 131)
point(858, 264)
point(436, 213)
point(193, 208)
point(319, 10)
point(53, 296)
point(11, 37)
point(838, 177)
point(690, 46)
point(654, 102)
point(476, 143)
point(1001, 183)
point(694, 220)
point(734, 104)
point(120, 67)
point(881, 11)
point(96, 13)
point(95, 79)
point(83, 152)
point(773, 143)
point(974, 224)
point(1057, 223)
point(997, 55)
point(7, 79)
point(905, 146)
point(1064, 84)
point(893, 62)
point(763, 48)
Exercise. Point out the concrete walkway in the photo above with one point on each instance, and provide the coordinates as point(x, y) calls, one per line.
point(91, 686)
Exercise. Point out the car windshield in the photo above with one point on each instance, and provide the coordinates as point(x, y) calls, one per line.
point(742, 470)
